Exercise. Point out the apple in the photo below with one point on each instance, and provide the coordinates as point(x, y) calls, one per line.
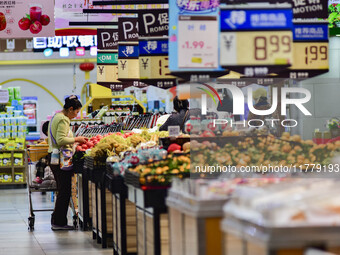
point(79, 148)
point(84, 146)
point(24, 23)
point(89, 145)
point(36, 27)
point(2, 21)
point(44, 20)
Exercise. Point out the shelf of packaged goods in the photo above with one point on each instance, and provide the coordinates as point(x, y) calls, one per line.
point(18, 167)
point(13, 151)
point(5, 167)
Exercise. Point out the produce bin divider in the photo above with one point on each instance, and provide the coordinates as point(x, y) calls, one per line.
point(152, 203)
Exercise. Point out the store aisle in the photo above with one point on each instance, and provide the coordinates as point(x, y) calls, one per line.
point(15, 239)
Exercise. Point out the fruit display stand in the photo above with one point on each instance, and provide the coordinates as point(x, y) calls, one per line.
point(124, 216)
point(242, 237)
point(101, 204)
point(188, 215)
point(283, 218)
point(81, 170)
point(152, 220)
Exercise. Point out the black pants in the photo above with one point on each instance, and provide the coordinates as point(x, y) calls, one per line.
point(63, 179)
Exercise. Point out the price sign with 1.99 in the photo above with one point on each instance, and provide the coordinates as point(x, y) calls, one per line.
point(197, 44)
point(256, 48)
point(310, 55)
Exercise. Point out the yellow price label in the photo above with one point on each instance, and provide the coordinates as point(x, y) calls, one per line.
point(310, 56)
point(154, 67)
point(128, 69)
point(256, 48)
point(107, 73)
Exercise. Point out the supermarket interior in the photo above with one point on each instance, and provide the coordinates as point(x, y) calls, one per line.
point(170, 127)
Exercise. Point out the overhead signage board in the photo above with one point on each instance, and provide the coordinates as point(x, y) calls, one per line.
point(107, 39)
point(153, 22)
point(153, 63)
point(128, 52)
point(128, 29)
point(256, 42)
point(107, 59)
point(26, 19)
point(57, 42)
point(309, 9)
point(302, 9)
point(310, 50)
point(193, 30)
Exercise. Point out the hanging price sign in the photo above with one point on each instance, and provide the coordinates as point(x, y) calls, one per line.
point(310, 50)
point(107, 59)
point(256, 42)
point(154, 63)
point(193, 40)
point(128, 52)
point(197, 44)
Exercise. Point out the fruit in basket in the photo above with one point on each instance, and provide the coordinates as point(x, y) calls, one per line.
point(89, 145)
point(174, 147)
point(186, 147)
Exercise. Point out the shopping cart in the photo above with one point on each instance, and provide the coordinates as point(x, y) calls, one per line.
point(34, 153)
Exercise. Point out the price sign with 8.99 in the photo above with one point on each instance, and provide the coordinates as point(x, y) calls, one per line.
point(256, 48)
point(197, 44)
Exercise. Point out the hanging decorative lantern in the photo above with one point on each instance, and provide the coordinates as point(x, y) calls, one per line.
point(86, 67)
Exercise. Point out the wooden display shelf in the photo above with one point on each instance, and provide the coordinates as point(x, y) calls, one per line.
point(13, 168)
point(11, 183)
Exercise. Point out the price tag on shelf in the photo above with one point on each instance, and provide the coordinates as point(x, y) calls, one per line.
point(197, 44)
point(256, 48)
point(173, 131)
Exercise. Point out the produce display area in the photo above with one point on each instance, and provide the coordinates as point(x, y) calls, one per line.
point(155, 198)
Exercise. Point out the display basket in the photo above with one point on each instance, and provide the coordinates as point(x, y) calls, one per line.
point(114, 183)
point(36, 152)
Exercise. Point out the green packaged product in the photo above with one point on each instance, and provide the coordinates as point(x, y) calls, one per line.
point(10, 93)
point(18, 159)
point(17, 93)
point(1, 178)
point(1, 157)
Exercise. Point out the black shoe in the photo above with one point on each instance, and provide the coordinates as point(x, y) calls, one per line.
point(65, 227)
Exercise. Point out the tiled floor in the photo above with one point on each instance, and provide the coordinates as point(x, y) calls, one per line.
point(15, 239)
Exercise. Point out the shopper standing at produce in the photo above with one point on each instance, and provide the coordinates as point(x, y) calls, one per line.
point(180, 117)
point(60, 136)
